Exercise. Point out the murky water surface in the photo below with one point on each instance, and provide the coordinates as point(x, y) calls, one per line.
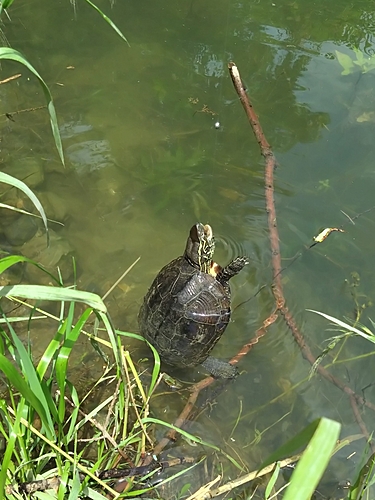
point(145, 161)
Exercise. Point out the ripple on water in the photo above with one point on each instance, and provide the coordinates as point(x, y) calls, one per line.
point(230, 248)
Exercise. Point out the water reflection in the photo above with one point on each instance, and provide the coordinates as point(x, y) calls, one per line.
point(89, 156)
point(143, 166)
point(70, 129)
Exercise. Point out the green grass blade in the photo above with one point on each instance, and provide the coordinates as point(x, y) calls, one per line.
point(94, 495)
point(364, 479)
point(112, 337)
point(14, 55)
point(19, 383)
point(272, 481)
point(4, 4)
point(21, 319)
point(32, 379)
point(10, 261)
point(108, 20)
point(62, 365)
point(314, 461)
point(12, 181)
point(49, 353)
point(30, 214)
point(41, 292)
point(75, 487)
point(71, 432)
point(195, 439)
point(368, 336)
point(7, 262)
point(293, 445)
point(14, 432)
point(156, 369)
point(65, 473)
point(64, 354)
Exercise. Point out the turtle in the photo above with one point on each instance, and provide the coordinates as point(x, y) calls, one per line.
point(187, 307)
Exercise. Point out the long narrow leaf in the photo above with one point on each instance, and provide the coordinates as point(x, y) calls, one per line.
point(32, 379)
point(19, 383)
point(41, 292)
point(50, 352)
point(14, 55)
point(63, 358)
point(293, 445)
point(8, 179)
point(345, 326)
point(4, 4)
point(70, 434)
point(20, 319)
point(108, 20)
point(314, 461)
point(272, 481)
point(11, 441)
point(189, 436)
point(12, 260)
point(30, 214)
point(156, 369)
point(112, 336)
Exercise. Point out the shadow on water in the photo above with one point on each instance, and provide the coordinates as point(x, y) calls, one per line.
point(145, 161)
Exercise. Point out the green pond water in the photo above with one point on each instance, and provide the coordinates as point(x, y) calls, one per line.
point(144, 161)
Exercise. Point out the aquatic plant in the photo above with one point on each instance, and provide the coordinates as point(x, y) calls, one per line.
point(352, 65)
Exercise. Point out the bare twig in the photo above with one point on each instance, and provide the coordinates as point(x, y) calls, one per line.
point(121, 278)
point(14, 77)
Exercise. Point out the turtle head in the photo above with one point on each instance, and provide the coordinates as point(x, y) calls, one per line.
point(200, 247)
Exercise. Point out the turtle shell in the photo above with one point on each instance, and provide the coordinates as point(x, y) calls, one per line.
point(184, 313)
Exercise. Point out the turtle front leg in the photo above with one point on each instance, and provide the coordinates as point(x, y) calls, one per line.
point(219, 368)
point(233, 268)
